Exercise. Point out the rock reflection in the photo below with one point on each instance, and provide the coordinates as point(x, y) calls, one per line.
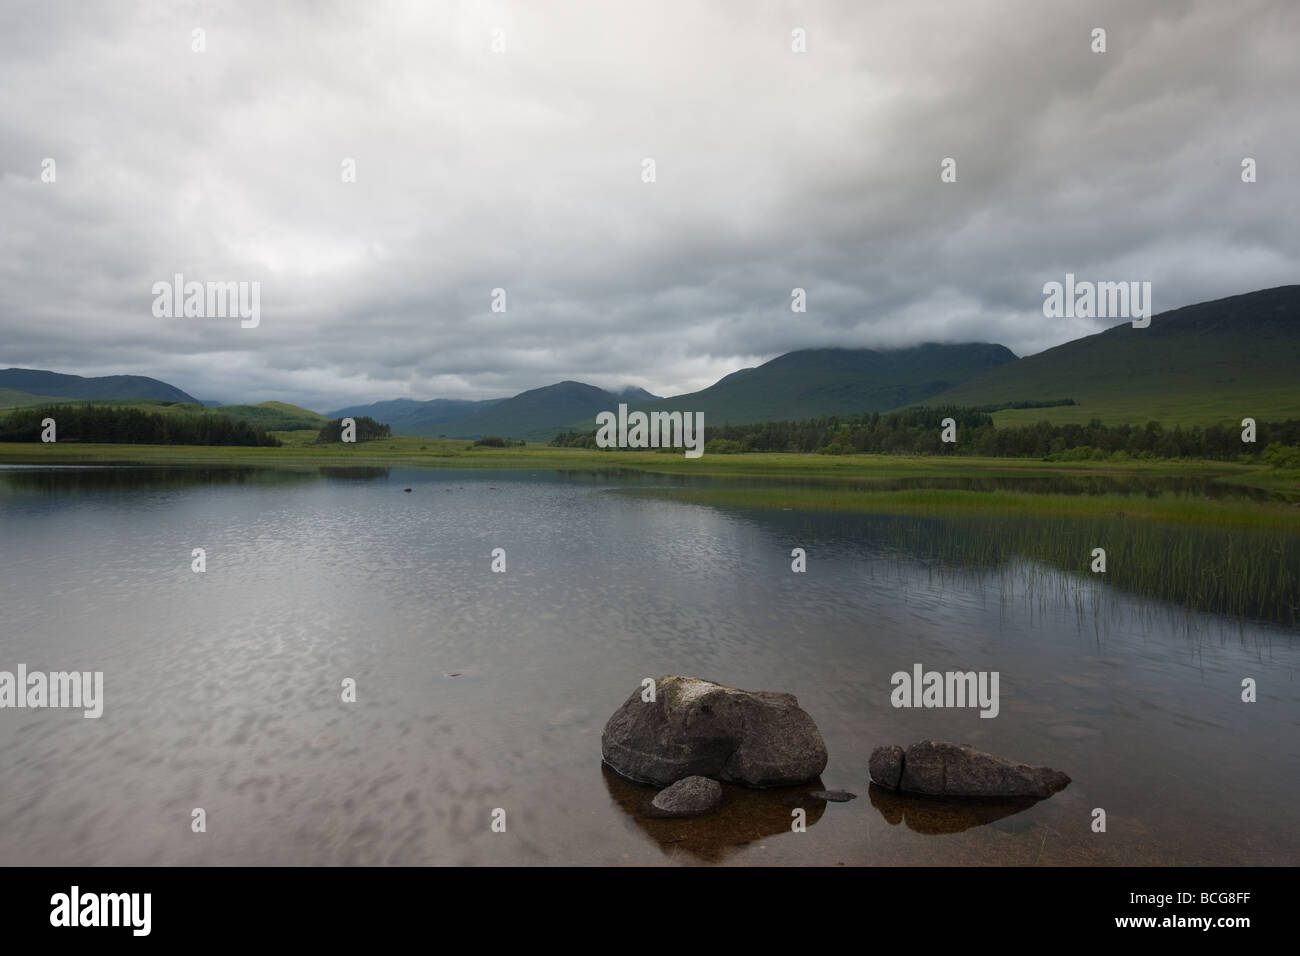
point(746, 817)
point(941, 815)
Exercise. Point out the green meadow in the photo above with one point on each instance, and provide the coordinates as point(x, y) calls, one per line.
point(1187, 408)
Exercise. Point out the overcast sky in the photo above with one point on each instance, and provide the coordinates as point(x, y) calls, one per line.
point(522, 170)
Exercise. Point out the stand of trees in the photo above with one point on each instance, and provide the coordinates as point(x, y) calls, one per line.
point(367, 430)
point(130, 426)
point(917, 432)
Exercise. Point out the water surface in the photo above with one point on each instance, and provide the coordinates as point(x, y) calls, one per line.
point(223, 688)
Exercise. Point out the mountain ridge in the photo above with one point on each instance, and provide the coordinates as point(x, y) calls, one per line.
point(34, 381)
point(1206, 363)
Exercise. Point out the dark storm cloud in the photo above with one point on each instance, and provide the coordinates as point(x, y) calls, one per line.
point(521, 170)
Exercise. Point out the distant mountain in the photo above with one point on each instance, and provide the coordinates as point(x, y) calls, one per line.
point(537, 414)
point(815, 382)
point(634, 394)
point(38, 382)
point(518, 416)
point(409, 417)
point(1213, 362)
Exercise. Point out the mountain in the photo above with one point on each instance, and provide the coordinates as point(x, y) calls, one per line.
point(409, 417)
point(537, 414)
point(815, 382)
point(519, 416)
point(634, 394)
point(1203, 364)
point(55, 384)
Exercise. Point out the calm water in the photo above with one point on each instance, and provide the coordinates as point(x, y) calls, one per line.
point(223, 689)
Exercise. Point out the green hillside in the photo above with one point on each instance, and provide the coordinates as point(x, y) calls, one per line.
point(12, 398)
point(273, 416)
point(1211, 363)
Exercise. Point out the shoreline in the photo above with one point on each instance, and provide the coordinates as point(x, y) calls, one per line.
point(774, 481)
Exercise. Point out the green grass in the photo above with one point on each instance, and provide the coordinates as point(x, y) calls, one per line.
point(297, 437)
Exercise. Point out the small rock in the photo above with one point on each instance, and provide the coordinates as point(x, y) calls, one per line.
point(834, 796)
point(689, 797)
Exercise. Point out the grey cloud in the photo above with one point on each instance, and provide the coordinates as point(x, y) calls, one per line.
point(522, 170)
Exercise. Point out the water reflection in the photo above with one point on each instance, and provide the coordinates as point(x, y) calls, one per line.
point(1252, 574)
point(943, 815)
point(132, 478)
point(747, 816)
point(353, 472)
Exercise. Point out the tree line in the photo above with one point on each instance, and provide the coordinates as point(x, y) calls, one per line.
point(130, 426)
point(918, 431)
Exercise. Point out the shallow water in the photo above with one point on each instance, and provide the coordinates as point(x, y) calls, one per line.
point(223, 689)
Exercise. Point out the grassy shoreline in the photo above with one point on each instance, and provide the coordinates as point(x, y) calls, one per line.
point(801, 482)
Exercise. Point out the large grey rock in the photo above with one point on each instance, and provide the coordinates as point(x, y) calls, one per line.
point(689, 797)
point(695, 727)
point(954, 770)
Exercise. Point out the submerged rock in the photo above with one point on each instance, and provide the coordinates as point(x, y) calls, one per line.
point(695, 727)
point(689, 797)
point(834, 796)
point(954, 770)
